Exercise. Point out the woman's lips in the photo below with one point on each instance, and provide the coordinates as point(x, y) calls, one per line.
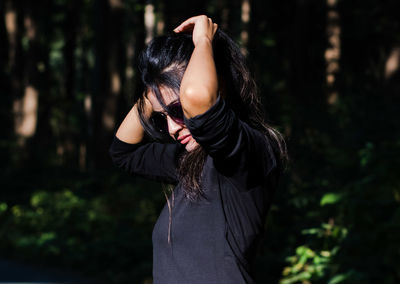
point(186, 139)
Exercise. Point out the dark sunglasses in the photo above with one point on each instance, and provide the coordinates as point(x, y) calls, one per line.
point(159, 119)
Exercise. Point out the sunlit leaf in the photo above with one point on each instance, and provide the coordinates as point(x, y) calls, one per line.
point(338, 278)
point(330, 198)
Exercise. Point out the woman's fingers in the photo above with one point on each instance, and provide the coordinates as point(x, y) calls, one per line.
point(200, 26)
point(185, 25)
point(189, 24)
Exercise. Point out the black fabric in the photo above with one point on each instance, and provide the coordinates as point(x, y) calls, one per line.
point(213, 240)
point(155, 161)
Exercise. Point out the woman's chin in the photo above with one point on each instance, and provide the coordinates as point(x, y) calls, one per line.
point(191, 145)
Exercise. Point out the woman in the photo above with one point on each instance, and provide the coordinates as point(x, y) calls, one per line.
point(219, 153)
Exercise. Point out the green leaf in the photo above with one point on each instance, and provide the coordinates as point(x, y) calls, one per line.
point(3, 207)
point(330, 198)
point(338, 278)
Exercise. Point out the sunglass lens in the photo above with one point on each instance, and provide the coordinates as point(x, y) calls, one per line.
point(176, 112)
point(159, 122)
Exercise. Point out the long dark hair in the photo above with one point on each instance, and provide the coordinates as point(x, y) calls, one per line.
point(163, 63)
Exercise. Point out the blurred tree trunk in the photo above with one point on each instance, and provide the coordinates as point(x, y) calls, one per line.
point(44, 138)
point(100, 81)
point(149, 21)
point(85, 87)
point(26, 108)
point(299, 54)
point(115, 64)
point(70, 140)
point(5, 120)
point(160, 17)
point(34, 83)
point(245, 19)
point(234, 19)
point(107, 77)
point(70, 27)
point(138, 45)
point(14, 28)
point(307, 54)
point(332, 53)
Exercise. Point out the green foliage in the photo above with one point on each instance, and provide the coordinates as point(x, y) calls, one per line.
point(311, 265)
point(101, 235)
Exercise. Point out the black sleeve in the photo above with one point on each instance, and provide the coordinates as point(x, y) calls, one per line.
point(234, 145)
point(153, 160)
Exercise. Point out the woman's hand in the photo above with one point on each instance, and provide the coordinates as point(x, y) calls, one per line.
point(202, 28)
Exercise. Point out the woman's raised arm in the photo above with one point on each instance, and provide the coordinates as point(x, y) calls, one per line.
point(199, 86)
point(131, 130)
point(156, 161)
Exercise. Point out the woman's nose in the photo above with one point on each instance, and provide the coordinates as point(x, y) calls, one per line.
point(173, 127)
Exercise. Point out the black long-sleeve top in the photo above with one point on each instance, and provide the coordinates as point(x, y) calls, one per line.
point(213, 240)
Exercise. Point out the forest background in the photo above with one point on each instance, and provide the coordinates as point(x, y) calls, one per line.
point(328, 72)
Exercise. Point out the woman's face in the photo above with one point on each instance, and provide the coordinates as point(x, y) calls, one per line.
point(178, 131)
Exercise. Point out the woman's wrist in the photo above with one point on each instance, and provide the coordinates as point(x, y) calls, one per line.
point(204, 40)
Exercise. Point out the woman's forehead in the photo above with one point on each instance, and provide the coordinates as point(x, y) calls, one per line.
point(167, 95)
